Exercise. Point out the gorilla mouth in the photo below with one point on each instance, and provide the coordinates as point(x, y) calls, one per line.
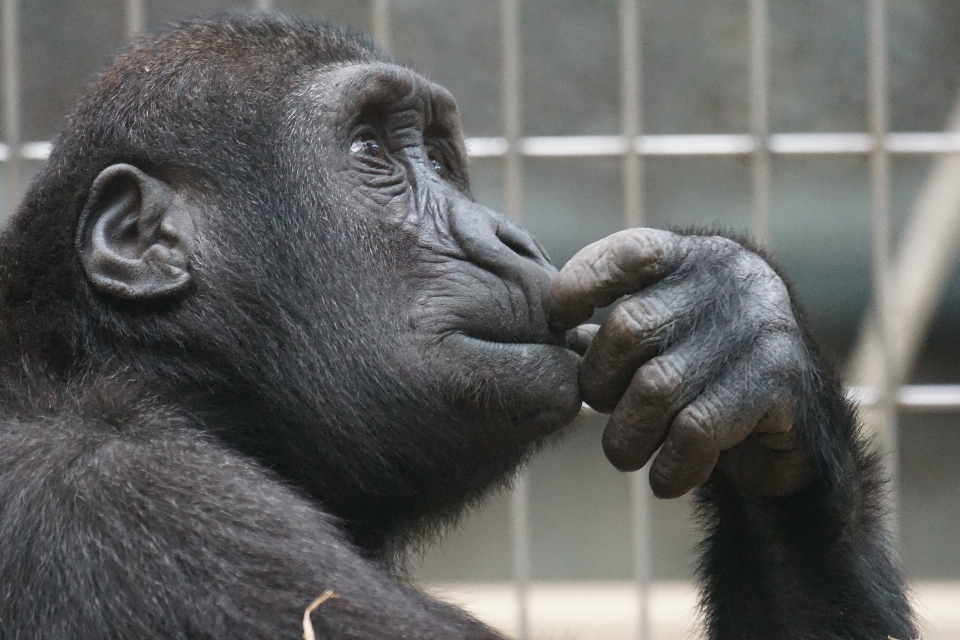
point(529, 385)
point(505, 357)
point(534, 338)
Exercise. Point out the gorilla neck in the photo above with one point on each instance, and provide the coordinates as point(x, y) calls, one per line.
point(340, 439)
point(352, 454)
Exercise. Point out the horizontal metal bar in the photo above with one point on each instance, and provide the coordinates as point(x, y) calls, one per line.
point(913, 397)
point(28, 150)
point(820, 143)
point(487, 147)
point(924, 142)
point(590, 146)
point(918, 397)
point(719, 144)
point(849, 143)
point(559, 146)
point(722, 144)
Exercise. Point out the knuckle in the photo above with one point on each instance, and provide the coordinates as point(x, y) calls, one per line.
point(695, 422)
point(641, 315)
point(715, 246)
point(646, 390)
point(779, 353)
point(659, 378)
point(763, 294)
point(727, 246)
point(642, 244)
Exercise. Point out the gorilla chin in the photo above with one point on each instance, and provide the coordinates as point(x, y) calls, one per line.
point(530, 386)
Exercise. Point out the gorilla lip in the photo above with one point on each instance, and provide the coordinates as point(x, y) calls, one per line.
point(533, 338)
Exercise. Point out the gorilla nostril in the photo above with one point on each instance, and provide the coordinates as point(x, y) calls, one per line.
point(521, 243)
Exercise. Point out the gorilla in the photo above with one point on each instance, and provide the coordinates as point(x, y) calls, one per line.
point(257, 338)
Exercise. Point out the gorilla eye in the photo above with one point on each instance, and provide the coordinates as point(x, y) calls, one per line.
point(366, 144)
point(438, 165)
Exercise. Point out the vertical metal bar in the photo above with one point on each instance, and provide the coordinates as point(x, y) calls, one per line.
point(641, 537)
point(135, 15)
point(513, 199)
point(880, 248)
point(512, 125)
point(520, 507)
point(631, 110)
point(631, 122)
point(381, 22)
point(760, 120)
point(11, 103)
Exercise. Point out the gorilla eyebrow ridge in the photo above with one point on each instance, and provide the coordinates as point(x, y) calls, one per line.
point(359, 90)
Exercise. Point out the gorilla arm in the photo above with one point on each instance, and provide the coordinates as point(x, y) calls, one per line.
point(154, 531)
point(705, 360)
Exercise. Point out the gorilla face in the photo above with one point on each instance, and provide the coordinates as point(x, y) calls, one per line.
point(461, 287)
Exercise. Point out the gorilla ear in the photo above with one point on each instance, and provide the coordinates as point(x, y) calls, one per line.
point(135, 235)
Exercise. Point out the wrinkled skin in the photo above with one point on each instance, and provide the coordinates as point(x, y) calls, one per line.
point(703, 358)
point(474, 281)
point(256, 337)
point(725, 391)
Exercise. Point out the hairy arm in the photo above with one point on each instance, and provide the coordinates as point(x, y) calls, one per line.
point(814, 564)
point(704, 363)
point(149, 531)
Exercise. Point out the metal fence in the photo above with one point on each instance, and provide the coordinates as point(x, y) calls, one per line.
point(886, 396)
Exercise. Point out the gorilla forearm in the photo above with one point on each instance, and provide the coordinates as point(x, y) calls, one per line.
point(707, 370)
point(817, 564)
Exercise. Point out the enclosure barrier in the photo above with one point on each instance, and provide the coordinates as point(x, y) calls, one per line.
point(632, 146)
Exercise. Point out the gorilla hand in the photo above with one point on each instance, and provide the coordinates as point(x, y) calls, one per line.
point(703, 357)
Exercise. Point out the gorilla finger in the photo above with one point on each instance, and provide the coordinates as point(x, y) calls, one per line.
point(579, 338)
point(719, 418)
point(605, 270)
point(687, 463)
point(634, 333)
point(639, 423)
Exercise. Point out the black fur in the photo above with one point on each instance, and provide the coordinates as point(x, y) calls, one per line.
point(359, 352)
point(813, 565)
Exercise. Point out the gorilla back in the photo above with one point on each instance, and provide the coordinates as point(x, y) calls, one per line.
point(255, 336)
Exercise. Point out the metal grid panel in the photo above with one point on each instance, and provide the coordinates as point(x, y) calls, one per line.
point(632, 146)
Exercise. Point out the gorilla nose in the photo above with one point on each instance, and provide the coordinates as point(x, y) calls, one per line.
point(518, 240)
point(490, 239)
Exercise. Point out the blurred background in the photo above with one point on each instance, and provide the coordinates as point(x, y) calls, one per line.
point(546, 70)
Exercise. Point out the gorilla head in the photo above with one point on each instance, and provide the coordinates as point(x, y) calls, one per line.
point(267, 226)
